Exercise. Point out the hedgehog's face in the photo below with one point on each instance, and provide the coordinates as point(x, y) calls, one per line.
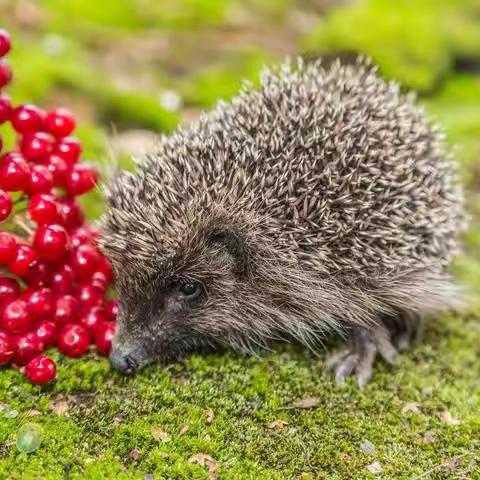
point(184, 308)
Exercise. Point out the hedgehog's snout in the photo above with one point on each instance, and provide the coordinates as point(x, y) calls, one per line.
point(122, 362)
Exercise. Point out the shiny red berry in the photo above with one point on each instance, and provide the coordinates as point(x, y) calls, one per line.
point(81, 236)
point(111, 309)
point(67, 309)
point(51, 242)
point(46, 332)
point(5, 73)
point(6, 205)
point(89, 296)
point(36, 146)
point(41, 180)
point(14, 173)
point(40, 274)
point(5, 42)
point(40, 303)
point(103, 337)
point(72, 214)
point(7, 348)
point(84, 261)
point(68, 148)
point(40, 370)
point(58, 168)
point(27, 346)
point(60, 122)
point(105, 267)
point(9, 290)
point(62, 279)
point(81, 179)
point(73, 340)
point(93, 318)
point(99, 281)
point(44, 208)
point(8, 247)
point(5, 108)
point(27, 118)
point(15, 317)
point(25, 257)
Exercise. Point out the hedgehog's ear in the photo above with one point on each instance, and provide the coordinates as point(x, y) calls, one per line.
point(234, 245)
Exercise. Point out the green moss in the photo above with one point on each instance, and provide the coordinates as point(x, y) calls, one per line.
point(413, 42)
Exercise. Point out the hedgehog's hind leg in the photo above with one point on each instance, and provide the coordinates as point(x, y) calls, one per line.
point(364, 345)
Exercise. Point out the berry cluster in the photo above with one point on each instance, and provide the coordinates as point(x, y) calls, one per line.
point(54, 280)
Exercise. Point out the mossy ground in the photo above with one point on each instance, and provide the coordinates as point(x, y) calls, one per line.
point(111, 62)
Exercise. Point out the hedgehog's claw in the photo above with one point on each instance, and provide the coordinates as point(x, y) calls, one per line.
point(358, 355)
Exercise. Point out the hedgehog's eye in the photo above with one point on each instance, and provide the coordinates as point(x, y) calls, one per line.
point(190, 289)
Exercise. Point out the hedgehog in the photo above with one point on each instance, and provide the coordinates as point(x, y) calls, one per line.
point(323, 201)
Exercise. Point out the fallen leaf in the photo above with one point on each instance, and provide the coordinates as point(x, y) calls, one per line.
point(160, 434)
point(374, 468)
point(411, 407)
point(449, 419)
point(184, 429)
point(134, 454)
point(368, 447)
point(204, 460)
point(278, 424)
point(210, 415)
point(60, 407)
point(427, 439)
point(307, 402)
point(32, 413)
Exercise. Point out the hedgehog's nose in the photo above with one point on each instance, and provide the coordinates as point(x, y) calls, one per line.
point(122, 363)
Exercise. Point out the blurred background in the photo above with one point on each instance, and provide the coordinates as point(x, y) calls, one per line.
point(129, 69)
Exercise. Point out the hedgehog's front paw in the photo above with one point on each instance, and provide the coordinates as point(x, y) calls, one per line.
point(357, 356)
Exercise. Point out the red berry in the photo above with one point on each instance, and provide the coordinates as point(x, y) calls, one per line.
point(103, 337)
point(58, 168)
point(89, 296)
point(7, 348)
point(99, 281)
point(5, 73)
point(40, 370)
point(105, 267)
point(6, 205)
point(67, 309)
point(27, 118)
point(60, 122)
point(84, 261)
point(69, 149)
point(62, 279)
point(73, 340)
point(81, 179)
point(111, 309)
point(9, 290)
point(27, 346)
point(14, 172)
point(71, 213)
point(5, 43)
point(93, 318)
point(40, 303)
point(25, 257)
point(40, 274)
point(5, 108)
point(51, 242)
point(80, 236)
point(44, 208)
point(46, 332)
point(36, 146)
point(8, 247)
point(41, 180)
point(16, 317)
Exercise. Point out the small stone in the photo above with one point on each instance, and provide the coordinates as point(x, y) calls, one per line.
point(134, 454)
point(449, 419)
point(411, 407)
point(184, 429)
point(368, 447)
point(148, 476)
point(374, 468)
point(29, 437)
point(427, 438)
point(11, 414)
point(2, 407)
point(170, 100)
